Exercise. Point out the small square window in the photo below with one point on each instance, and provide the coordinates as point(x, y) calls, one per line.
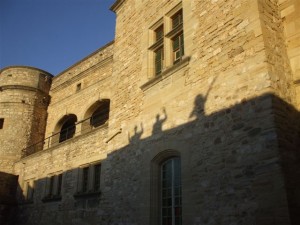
point(78, 87)
point(1, 123)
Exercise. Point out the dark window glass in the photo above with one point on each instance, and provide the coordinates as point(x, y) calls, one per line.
point(59, 183)
point(177, 19)
point(101, 114)
point(159, 58)
point(68, 129)
point(97, 172)
point(171, 192)
point(85, 179)
point(78, 87)
point(1, 123)
point(51, 186)
point(159, 33)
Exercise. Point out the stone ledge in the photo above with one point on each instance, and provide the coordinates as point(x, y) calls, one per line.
point(166, 73)
point(51, 199)
point(87, 194)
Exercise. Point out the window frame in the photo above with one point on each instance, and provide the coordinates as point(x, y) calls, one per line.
point(53, 187)
point(1, 123)
point(156, 184)
point(171, 161)
point(170, 33)
point(87, 182)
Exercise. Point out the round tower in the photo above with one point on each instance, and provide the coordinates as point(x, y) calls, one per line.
point(24, 98)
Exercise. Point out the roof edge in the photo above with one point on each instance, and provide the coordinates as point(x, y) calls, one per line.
point(93, 53)
point(116, 5)
point(26, 67)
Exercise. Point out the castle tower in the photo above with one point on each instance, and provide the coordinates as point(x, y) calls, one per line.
point(24, 98)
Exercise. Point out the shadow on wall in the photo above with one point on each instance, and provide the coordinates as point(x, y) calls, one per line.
point(8, 187)
point(237, 166)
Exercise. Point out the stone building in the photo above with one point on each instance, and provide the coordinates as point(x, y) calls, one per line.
point(190, 116)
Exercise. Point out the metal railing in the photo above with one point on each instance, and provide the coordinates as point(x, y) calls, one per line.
point(75, 130)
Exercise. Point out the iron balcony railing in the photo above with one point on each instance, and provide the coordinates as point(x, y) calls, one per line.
point(77, 129)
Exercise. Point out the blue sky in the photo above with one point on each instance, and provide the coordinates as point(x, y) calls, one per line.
point(53, 34)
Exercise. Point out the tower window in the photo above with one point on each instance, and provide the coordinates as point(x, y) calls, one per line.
point(1, 123)
point(78, 87)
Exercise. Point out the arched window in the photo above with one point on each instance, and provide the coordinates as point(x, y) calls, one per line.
point(166, 203)
point(101, 114)
point(68, 128)
point(97, 115)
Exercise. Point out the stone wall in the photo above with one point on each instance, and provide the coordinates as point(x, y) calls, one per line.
point(225, 109)
point(23, 106)
point(290, 14)
point(93, 76)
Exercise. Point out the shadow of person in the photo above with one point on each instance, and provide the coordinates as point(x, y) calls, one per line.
point(198, 110)
point(137, 134)
point(157, 126)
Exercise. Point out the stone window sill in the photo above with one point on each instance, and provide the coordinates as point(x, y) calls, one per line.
point(51, 199)
point(87, 194)
point(166, 73)
point(26, 202)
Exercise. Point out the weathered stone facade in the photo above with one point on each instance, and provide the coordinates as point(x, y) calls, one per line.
point(228, 109)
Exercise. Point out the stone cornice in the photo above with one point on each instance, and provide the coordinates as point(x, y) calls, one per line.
point(26, 67)
point(84, 59)
point(117, 5)
point(81, 75)
point(22, 87)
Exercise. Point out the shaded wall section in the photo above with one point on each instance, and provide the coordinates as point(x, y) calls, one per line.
point(8, 187)
point(239, 166)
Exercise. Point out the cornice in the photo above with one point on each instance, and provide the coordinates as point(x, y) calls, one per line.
point(26, 67)
point(117, 5)
point(84, 59)
point(81, 75)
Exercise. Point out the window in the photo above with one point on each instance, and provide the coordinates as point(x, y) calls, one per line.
point(166, 40)
point(53, 187)
point(178, 48)
point(89, 179)
point(101, 114)
point(171, 192)
point(1, 123)
point(159, 59)
point(97, 115)
point(165, 192)
point(68, 128)
point(78, 87)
